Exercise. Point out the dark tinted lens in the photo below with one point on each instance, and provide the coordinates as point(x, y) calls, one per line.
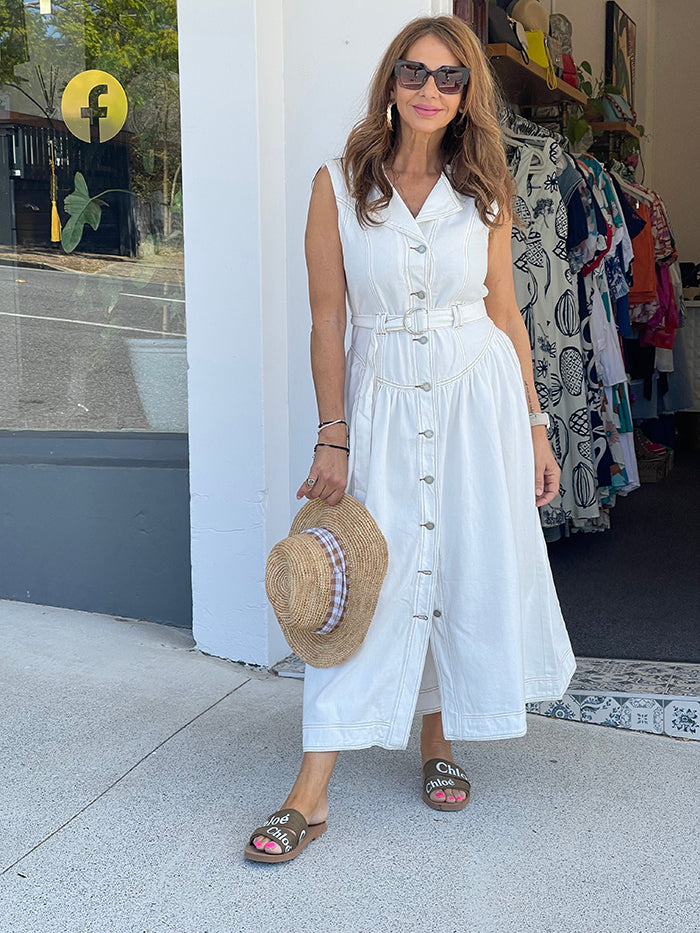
point(412, 77)
point(449, 80)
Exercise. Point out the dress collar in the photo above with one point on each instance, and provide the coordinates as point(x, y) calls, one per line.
point(442, 201)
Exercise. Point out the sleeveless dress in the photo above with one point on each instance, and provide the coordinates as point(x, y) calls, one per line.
point(468, 619)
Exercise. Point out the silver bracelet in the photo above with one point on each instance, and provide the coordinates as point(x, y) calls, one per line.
point(539, 417)
point(327, 424)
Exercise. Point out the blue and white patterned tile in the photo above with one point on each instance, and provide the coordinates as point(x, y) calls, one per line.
point(291, 666)
point(566, 708)
point(682, 718)
point(638, 685)
point(591, 674)
point(652, 668)
point(642, 677)
point(594, 664)
point(595, 675)
point(604, 710)
point(592, 667)
point(642, 714)
point(594, 683)
point(685, 681)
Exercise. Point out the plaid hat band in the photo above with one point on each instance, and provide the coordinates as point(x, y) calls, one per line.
point(339, 585)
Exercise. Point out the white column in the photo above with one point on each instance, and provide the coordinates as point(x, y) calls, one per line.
point(224, 250)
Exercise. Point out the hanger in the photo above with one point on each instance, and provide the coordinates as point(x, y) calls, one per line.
point(634, 190)
point(516, 126)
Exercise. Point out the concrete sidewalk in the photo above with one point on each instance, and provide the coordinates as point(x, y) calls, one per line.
point(133, 768)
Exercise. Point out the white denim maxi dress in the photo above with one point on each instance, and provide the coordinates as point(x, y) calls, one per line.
point(468, 619)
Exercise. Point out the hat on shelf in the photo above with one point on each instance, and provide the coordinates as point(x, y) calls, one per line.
point(531, 14)
point(324, 579)
point(560, 28)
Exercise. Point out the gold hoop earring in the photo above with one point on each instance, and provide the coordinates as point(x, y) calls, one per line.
point(388, 116)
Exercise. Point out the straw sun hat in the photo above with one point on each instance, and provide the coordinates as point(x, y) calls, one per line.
point(324, 579)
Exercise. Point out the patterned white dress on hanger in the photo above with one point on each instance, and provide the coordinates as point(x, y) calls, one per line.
point(550, 308)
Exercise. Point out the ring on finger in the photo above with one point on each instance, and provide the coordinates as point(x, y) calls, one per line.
point(310, 482)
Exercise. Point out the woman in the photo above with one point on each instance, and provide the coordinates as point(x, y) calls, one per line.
point(413, 226)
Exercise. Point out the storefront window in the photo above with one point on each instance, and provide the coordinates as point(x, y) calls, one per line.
point(92, 301)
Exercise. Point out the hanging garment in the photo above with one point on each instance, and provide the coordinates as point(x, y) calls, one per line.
point(543, 288)
point(602, 280)
point(643, 270)
point(441, 455)
point(598, 442)
point(660, 329)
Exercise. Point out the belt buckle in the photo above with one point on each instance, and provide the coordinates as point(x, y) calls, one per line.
point(408, 321)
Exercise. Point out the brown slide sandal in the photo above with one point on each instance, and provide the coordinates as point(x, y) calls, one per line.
point(439, 775)
point(289, 830)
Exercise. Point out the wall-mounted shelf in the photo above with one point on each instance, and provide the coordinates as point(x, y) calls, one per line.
point(526, 85)
point(626, 128)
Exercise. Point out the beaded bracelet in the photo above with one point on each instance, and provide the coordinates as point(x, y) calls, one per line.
point(336, 446)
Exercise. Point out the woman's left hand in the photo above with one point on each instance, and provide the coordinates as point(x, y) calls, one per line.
point(547, 470)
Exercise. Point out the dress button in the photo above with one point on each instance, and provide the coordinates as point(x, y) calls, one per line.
point(426, 386)
point(429, 525)
point(422, 248)
point(427, 433)
point(429, 479)
point(437, 613)
point(423, 339)
point(420, 295)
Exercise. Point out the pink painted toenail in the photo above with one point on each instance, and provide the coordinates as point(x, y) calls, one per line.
point(439, 794)
point(451, 799)
point(270, 845)
point(257, 844)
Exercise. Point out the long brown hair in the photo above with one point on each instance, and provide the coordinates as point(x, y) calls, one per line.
point(472, 146)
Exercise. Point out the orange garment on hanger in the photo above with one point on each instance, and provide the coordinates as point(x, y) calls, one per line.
point(643, 265)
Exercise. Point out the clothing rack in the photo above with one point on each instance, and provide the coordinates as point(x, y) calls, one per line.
point(552, 122)
point(515, 124)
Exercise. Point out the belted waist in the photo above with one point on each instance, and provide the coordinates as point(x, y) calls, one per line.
point(419, 320)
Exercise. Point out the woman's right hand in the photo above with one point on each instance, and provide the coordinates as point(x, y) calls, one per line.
point(329, 471)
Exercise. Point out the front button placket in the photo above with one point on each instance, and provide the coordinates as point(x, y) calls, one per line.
point(426, 479)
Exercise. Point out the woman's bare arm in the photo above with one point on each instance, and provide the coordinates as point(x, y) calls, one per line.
point(324, 261)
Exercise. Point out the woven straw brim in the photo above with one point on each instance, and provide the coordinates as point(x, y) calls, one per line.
point(295, 572)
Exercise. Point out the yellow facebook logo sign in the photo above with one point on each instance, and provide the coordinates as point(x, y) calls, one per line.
point(94, 106)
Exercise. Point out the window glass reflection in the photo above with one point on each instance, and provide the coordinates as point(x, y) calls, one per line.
point(92, 304)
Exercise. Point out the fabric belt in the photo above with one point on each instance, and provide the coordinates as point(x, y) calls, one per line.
point(420, 320)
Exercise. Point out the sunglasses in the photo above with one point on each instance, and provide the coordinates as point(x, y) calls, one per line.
point(449, 79)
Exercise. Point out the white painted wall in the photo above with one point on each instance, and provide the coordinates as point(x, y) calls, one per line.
point(676, 90)
point(252, 142)
point(588, 41)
